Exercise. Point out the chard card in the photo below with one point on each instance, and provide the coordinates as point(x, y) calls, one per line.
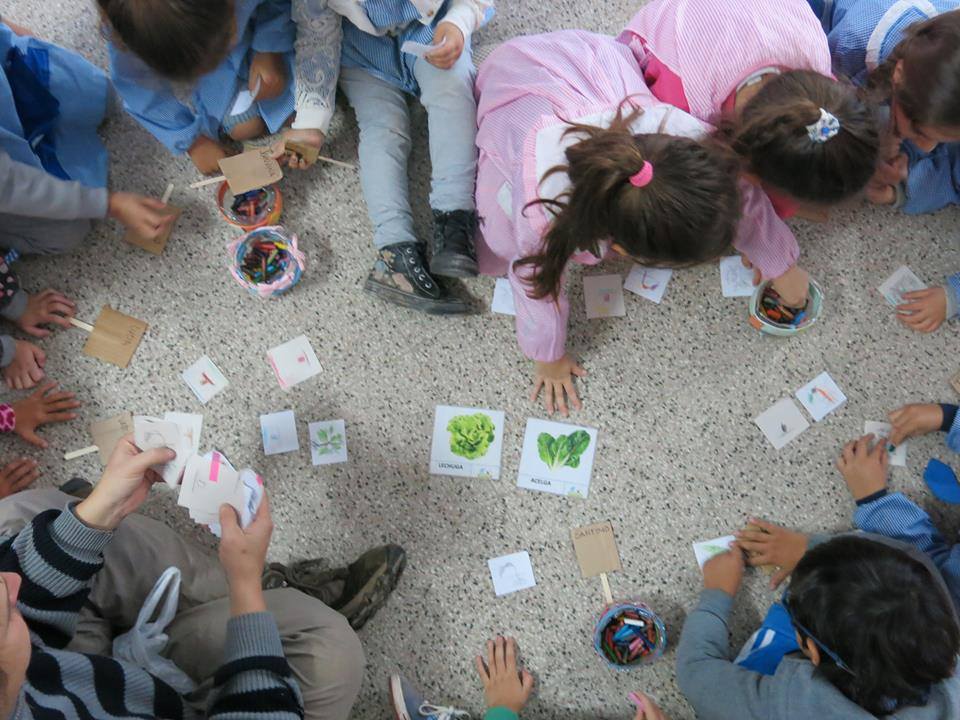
point(467, 442)
point(557, 458)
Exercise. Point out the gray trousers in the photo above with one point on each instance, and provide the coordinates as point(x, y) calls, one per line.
point(323, 651)
point(40, 236)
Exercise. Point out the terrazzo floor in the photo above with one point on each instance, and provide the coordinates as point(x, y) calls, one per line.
point(672, 389)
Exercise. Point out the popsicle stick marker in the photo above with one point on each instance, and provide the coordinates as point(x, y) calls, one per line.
point(114, 338)
point(81, 452)
point(607, 593)
point(81, 324)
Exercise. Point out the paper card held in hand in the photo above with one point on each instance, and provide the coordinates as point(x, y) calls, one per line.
point(251, 170)
point(115, 337)
point(881, 431)
point(210, 481)
point(603, 295)
point(293, 362)
point(902, 281)
point(707, 549)
point(107, 433)
point(180, 433)
point(252, 486)
point(596, 549)
point(420, 50)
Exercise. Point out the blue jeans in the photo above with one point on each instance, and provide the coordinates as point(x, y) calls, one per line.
point(385, 142)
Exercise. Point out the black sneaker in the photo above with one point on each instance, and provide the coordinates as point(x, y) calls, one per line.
point(454, 253)
point(78, 487)
point(400, 276)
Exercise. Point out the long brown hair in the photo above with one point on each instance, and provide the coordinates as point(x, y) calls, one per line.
point(686, 214)
point(930, 91)
point(770, 134)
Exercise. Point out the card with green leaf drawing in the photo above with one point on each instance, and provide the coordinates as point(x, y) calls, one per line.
point(467, 442)
point(328, 442)
point(557, 458)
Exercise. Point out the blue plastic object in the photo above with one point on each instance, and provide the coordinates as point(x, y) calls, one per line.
point(942, 481)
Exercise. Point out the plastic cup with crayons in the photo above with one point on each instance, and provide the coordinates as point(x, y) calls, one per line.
point(250, 210)
point(266, 261)
point(629, 634)
point(770, 315)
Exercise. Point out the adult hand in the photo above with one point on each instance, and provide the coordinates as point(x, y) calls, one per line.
point(313, 138)
point(243, 553)
point(26, 369)
point(271, 71)
point(18, 475)
point(556, 379)
point(504, 684)
point(924, 310)
point(793, 287)
point(451, 37)
point(41, 407)
point(47, 308)
point(913, 420)
point(124, 485)
point(864, 468)
point(206, 155)
point(724, 571)
point(648, 710)
point(141, 214)
point(773, 545)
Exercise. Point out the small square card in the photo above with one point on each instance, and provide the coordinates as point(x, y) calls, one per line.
point(279, 432)
point(511, 573)
point(821, 396)
point(503, 298)
point(782, 423)
point(150, 433)
point(707, 549)
point(557, 458)
point(328, 442)
point(736, 280)
point(251, 170)
point(115, 337)
point(205, 379)
point(650, 283)
point(467, 442)
point(604, 296)
point(881, 431)
point(293, 362)
point(596, 549)
point(902, 281)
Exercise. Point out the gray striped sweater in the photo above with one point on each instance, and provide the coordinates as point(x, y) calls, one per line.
point(57, 556)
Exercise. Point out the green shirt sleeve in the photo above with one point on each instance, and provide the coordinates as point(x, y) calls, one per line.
point(500, 713)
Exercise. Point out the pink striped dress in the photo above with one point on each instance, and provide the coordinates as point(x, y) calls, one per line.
point(696, 54)
point(527, 89)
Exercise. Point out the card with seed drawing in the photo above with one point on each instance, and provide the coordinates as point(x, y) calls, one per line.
point(782, 423)
point(821, 396)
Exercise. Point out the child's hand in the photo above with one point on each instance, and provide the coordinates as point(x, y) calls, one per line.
point(773, 545)
point(206, 155)
point(882, 188)
point(647, 709)
point(313, 138)
point(18, 475)
point(724, 571)
point(452, 49)
point(793, 287)
point(556, 378)
point(19, 29)
point(504, 685)
point(40, 408)
point(271, 70)
point(26, 370)
point(46, 308)
point(925, 310)
point(864, 469)
point(913, 420)
point(143, 215)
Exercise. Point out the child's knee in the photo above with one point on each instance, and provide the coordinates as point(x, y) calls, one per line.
point(248, 130)
point(458, 80)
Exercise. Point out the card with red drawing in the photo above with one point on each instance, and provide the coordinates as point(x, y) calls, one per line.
point(293, 362)
point(205, 379)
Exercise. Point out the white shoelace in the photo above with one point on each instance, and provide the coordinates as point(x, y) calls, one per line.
point(443, 713)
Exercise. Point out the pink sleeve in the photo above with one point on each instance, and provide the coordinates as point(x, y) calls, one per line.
point(762, 236)
point(8, 418)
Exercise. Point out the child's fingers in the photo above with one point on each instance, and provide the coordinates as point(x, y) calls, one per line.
point(848, 455)
point(558, 391)
point(526, 682)
point(499, 655)
point(578, 371)
point(511, 655)
point(778, 577)
point(572, 394)
point(764, 524)
point(537, 384)
point(31, 437)
point(482, 670)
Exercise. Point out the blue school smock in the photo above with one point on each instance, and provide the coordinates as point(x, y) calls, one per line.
point(862, 34)
point(51, 103)
point(264, 26)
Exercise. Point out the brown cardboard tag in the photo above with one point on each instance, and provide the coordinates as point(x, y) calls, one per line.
point(307, 152)
point(156, 245)
point(955, 382)
point(596, 549)
point(107, 433)
point(251, 170)
point(115, 337)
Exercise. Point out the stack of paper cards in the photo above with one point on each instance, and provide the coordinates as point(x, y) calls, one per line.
point(150, 433)
point(596, 549)
point(557, 458)
point(252, 485)
point(279, 432)
point(736, 280)
point(467, 442)
point(604, 296)
point(209, 481)
point(707, 549)
point(902, 281)
point(328, 442)
point(293, 362)
point(821, 396)
point(503, 298)
point(782, 423)
point(511, 573)
point(205, 379)
point(881, 431)
point(650, 283)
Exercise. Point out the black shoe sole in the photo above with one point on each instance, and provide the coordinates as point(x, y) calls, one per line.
point(454, 266)
point(449, 306)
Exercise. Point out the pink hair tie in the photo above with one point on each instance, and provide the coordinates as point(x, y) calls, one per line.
point(643, 177)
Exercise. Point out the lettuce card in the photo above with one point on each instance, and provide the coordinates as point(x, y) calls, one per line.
point(557, 458)
point(467, 442)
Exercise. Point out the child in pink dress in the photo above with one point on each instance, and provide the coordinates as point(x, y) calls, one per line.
point(632, 176)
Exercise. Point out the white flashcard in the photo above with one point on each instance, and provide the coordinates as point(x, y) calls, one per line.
point(209, 482)
point(150, 433)
point(782, 423)
point(245, 99)
point(736, 280)
point(557, 458)
point(604, 296)
point(205, 379)
point(881, 431)
point(467, 442)
point(503, 298)
point(708, 549)
point(328, 442)
point(252, 495)
point(293, 362)
point(650, 283)
point(902, 281)
point(421, 50)
point(279, 432)
point(190, 424)
point(511, 573)
point(821, 396)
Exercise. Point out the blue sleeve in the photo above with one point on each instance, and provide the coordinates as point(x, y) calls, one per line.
point(953, 435)
point(934, 179)
point(895, 516)
point(952, 286)
point(273, 27)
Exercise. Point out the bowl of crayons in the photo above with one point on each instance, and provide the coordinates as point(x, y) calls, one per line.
point(769, 314)
point(629, 634)
point(250, 210)
point(266, 261)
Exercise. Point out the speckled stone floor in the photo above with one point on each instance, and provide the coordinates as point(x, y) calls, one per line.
point(672, 389)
